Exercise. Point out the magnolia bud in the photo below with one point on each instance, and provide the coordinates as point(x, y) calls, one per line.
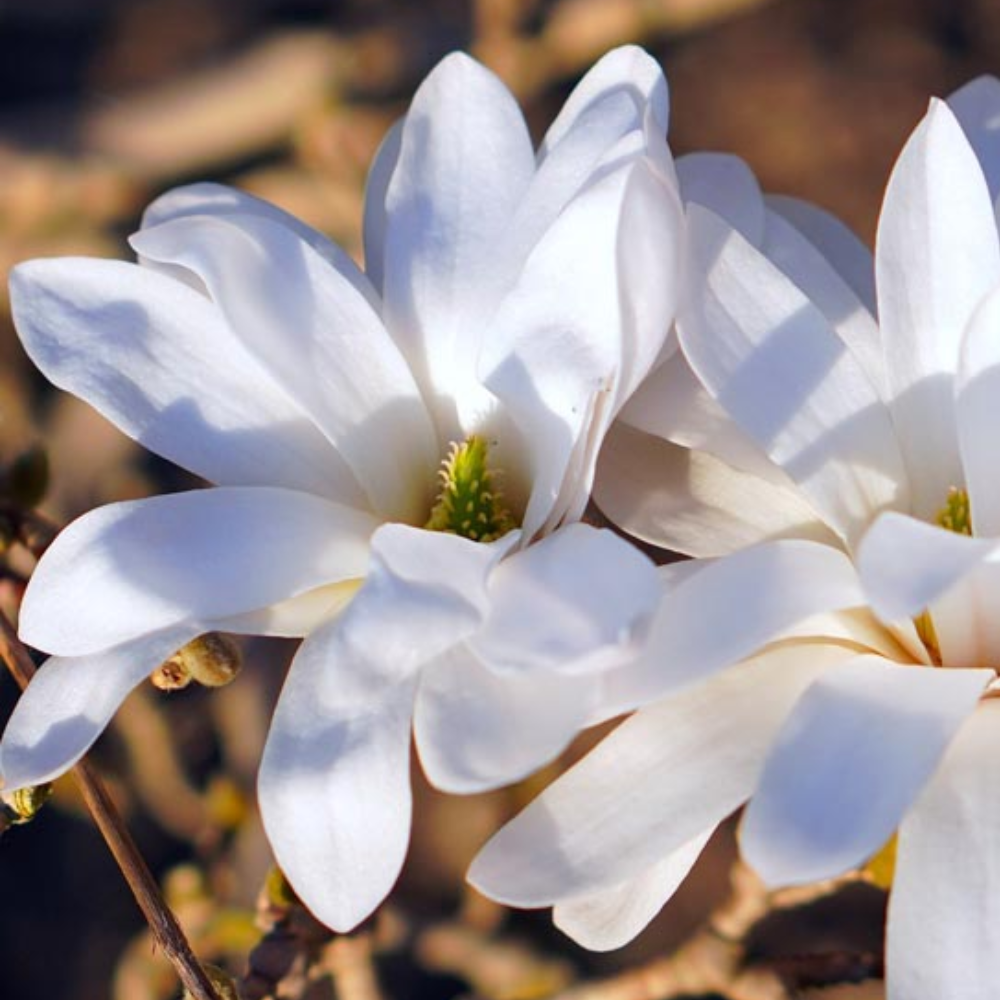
point(212, 660)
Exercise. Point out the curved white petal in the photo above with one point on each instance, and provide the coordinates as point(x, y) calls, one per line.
point(464, 164)
point(334, 783)
point(475, 729)
point(663, 777)
point(771, 359)
point(850, 257)
point(692, 503)
point(159, 361)
point(71, 700)
point(937, 255)
point(905, 565)
point(673, 404)
point(726, 185)
point(612, 918)
point(577, 601)
point(977, 407)
point(320, 340)
point(218, 199)
point(376, 188)
point(627, 68)
point(737, 604)
point(555, 347)
point(850, 761)
point(140, 566)
point(297, 616)
point(943, 909)
point(847, 315)
point(334, 780)
point(976, 105)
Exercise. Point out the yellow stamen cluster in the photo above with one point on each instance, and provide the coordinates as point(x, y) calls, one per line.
point(469, 504)
point(882, 866)
point(955, 515)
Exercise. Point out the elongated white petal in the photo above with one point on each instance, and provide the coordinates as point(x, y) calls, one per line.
point(475, 729)
point(464, 164)
point(159, 361)
point(905, 565)
point(852, 758)
point(850, 257)
point(376, 188)
point(334, 783)
point(737, 604)
point(650, 238)
point(297, 616)
point(724, 184)
point(978, 410)
point(690, 502)
point(673, 404)
point(977, 108)
point(847, 315)
point(627, 68)
point(576, 601)
point(937, 255)
point(772, 360)
point(321, 341)
point(553, 351)
point(611, 919)
point(943, 909)
point(141, 566)
point(334, 780)
point(663, 777)
point(70, 701)
point(218, 199)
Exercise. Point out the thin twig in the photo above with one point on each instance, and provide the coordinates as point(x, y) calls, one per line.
point(162, 922)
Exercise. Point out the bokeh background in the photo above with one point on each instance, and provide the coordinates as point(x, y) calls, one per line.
point(105, 103)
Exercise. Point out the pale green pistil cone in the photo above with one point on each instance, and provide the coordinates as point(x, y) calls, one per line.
point(955, 514)
point(469, 503)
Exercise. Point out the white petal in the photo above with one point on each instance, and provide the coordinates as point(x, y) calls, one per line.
point(732, 607)
point(555, 346)
point(852, 758)
point(663, 777)
point(771, 359)
point(692, 503)
point(70, 700)
point(297, 616)
point(159, 361)
point(627, 68)
point(576, 601)
point(905, 565)
point(726, 185)
point(334, 784)
point(321, 340)
point(943, 910)
point(977, 108)
point(838, 244)
point(978, 410)
point(477, 730)
point(847, 315)
point(334, 781)
point(611, 919)
point(465, 161)
point(140, 566)
point(672, 404)
point(374, 223)
point(218, 199)
point(937, 255)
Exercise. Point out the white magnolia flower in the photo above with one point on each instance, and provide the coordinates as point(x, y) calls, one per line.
point(873, 449)
point(511, 304)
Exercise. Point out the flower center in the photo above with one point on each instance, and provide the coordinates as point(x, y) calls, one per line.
point(469, 503)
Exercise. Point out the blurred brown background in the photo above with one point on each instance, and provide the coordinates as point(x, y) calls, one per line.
point(102, 105)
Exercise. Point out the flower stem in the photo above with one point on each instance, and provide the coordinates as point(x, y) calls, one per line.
point(162, 922)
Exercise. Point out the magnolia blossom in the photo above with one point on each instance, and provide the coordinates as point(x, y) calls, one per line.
point(400, 459)
point(849, 469)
